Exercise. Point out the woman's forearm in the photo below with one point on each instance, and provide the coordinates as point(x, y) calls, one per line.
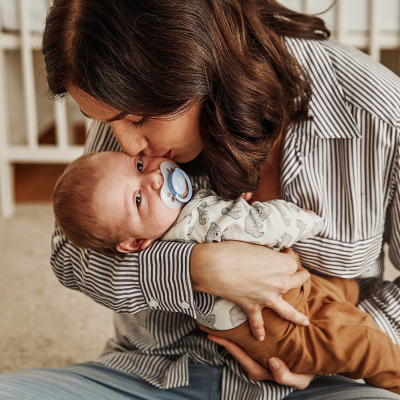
point(132, 283)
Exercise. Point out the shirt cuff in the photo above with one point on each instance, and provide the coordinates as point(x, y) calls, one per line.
point(165, 277)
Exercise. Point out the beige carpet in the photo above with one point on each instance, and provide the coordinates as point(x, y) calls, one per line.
point(43, 324)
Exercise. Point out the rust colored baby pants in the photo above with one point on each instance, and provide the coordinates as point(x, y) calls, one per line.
point(341, 339)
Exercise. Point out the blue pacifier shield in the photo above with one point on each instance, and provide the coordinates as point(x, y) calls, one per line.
point(175, 184)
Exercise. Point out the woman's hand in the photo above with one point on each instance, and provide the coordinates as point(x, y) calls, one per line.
point(279, 372)
point(251, 276)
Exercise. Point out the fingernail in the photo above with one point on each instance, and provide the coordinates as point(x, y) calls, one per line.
point(261, 338)
point(306, 323)
point(273, 363)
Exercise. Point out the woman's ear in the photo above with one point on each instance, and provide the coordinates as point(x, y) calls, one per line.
point(133, 245)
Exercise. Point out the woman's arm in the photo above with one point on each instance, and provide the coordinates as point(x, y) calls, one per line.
point(131, 283)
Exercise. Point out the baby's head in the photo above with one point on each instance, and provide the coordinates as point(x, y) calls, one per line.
point(111, 202)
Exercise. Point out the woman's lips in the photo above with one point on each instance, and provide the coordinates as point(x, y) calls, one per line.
point(168, 155)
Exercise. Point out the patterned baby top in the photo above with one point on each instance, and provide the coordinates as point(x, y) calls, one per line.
point(276, 224)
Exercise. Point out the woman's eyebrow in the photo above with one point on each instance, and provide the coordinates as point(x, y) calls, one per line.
point(119, 116)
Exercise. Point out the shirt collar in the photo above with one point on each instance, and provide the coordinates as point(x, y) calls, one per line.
point(331, 115)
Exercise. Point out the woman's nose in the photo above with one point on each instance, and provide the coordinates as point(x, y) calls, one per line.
point(156, 179)
point(131, 142)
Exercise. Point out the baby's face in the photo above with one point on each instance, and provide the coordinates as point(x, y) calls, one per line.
point(127, 198)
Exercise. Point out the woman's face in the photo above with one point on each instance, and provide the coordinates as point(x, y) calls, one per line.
point(177, 139)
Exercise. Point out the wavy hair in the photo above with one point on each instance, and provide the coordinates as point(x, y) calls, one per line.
point(156, 57)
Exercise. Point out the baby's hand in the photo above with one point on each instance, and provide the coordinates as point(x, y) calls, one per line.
point(309, 211)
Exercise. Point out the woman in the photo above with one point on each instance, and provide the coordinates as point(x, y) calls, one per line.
point(255, 96)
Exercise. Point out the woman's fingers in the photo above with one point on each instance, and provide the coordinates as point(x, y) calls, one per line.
point(282, 307)
point(279, 371)
point(287, 311)
point(256, 323)
point(282, 374)
point(299, 278)
point(255, 371)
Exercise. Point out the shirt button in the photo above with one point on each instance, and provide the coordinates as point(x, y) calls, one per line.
point(154, 303)
point(185, 305)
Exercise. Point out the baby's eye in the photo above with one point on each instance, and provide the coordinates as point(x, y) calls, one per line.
point(139, 165)
point(138, 199)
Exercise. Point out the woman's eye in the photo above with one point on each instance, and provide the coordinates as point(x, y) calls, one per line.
point(138, 199)
point(139, 165)
point(139, 124)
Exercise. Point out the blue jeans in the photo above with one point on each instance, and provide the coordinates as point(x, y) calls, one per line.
point(95, 382)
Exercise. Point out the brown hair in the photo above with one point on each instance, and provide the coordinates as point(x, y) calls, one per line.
point(72, 205)
point(155, 57)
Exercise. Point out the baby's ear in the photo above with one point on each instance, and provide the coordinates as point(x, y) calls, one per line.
point(133, 245)
point(128, 246)
point(247, 196)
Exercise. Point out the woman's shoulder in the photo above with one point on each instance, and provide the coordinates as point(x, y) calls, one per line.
point(365, 83)
point(337, 69)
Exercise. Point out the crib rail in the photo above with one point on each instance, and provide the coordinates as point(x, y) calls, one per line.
point(372, 25)
point(30, 151)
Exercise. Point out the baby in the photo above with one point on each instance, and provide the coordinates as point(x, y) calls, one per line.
point(115, 203)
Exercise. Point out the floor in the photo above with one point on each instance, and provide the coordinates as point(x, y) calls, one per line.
point(42, 323)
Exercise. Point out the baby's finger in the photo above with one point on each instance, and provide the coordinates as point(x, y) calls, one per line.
point(287, 311)
point(256, 322)
point(255, 370)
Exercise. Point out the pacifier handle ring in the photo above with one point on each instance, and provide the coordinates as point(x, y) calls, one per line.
point(189, 186)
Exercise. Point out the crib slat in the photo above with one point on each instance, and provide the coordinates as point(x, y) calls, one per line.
point(28, 76)
point(374, 43)
point(306, 6)
point(339, 22)
point(61, 125)
point(6, 169)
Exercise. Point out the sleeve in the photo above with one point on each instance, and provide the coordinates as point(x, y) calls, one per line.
point(285, 223)
point(276, 224)
point(131, 283)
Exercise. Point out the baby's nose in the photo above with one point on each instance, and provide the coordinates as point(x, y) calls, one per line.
point(157, 179)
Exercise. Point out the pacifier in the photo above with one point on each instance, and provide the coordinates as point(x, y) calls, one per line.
point(175, 183)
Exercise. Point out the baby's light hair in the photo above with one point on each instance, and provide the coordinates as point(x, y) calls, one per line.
point(73, 207)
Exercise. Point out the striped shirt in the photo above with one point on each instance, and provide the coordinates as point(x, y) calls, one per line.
point(343, 164)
